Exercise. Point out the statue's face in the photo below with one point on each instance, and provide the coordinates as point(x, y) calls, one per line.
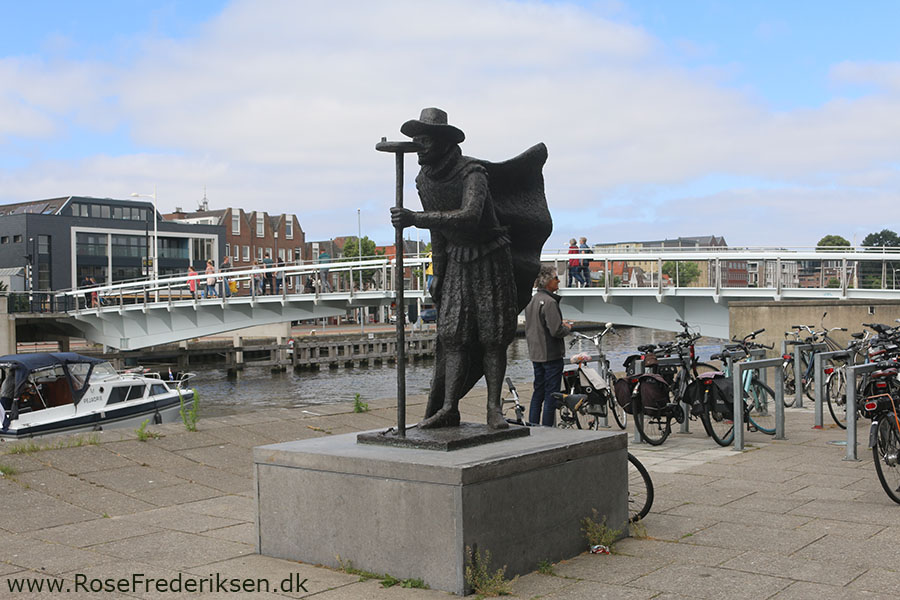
point(432, 149)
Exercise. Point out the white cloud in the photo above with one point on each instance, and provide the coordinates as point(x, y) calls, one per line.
point(279, 105)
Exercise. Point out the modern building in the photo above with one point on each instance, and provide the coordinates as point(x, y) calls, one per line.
point(250, 235)
point(60, 241)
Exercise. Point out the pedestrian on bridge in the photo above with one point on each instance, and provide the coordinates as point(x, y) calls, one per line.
point(575, 277)
point(192, 283)
point(585, 262)
point(226, 266)
point(210, 279)
point(267, 278)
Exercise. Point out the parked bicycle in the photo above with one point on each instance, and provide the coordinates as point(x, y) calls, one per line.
point(596, 384)
point(836, 378)
point(806, 359)
point(884, 433)
point(716, 395)
point(640, 486)
point(656, 396)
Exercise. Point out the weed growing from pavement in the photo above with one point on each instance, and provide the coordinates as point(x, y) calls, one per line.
point(190, 416)
point(386, 580)
point(8, 471)
point(639, 530)
point(143, 435)
point(480, 578)
point(598, 532)
point(358, 405)
point(30, 446)
point(545, 567)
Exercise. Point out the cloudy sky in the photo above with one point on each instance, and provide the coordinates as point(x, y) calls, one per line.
point(770, 123)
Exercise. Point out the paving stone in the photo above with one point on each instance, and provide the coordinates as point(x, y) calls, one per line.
point(862, 553)
point(228, 506)
point(700, 581)
point(742, 537)
point(30, 510)
point(803, 590)
point(665, 526)
point(178, 494)
point(675, 552)
point(535, 585)
point(838, 528)
point(177, 519)
point(183, 441)
point(614, 568)
point(236, 459)
point(373, 590)
point(66, 591)
point(173, 549)
point(89, 533)
point(223, 481)
point(881, 579)
point(239, 437)
point(765, 502)
point(145, 454)
point(795, 568)
point(132, 480)
point(244, 533)
point(83, 459)
point(22, 463)
point(275, 570)
point(49, 558)
point(746, 517)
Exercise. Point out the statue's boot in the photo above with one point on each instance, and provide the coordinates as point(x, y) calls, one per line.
point(448, 416)
point(495, 419)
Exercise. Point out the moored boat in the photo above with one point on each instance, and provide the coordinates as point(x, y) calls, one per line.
point(65, 392)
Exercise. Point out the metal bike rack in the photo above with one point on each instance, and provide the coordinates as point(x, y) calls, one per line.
point(799, 347)
point(738, 390)
point(851, 405)
point(819, 359)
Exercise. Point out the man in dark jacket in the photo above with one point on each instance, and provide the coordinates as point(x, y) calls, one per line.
point(545, 330)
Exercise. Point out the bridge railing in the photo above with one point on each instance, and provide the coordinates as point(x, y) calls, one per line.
point(832, 270)
point(337, 276)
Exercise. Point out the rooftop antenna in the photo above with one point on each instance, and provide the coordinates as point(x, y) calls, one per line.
point(204, 204)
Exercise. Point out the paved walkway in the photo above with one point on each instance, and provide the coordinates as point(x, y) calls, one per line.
point(783, 520)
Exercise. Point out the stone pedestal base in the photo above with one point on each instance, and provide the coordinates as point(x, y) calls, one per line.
point(412, 513)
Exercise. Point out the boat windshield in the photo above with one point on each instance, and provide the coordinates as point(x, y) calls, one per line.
point(103, 371)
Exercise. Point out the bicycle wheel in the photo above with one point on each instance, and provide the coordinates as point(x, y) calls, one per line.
point(654, 429)
point(809, 384)
point(567, 419)
point(717, 419)
point(640, 490)
point(885, 452)
point(836, 392)
point(790, 385)
point(761, 406)
point(618, 412)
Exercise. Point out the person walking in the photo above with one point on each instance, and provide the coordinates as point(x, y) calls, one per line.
point(267, 278)
point(192, 283)
point(257, 279)
point(279, 277)
point(585, 262)
point(544, 333)
point(226, 266)
point(210, 279)
point(575, 278)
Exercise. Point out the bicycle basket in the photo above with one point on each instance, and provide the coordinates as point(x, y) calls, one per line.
point(623, 388)
point(596, 403)
point(654, 393)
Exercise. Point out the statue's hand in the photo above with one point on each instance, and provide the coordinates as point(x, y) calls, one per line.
point(401, 217)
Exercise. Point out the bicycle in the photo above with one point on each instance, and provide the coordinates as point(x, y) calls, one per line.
point(658, 394)
point(836, 380)
point(758, 398)
point(884, 433)
point(640, 485)
point(806, 359)
point(597, 385)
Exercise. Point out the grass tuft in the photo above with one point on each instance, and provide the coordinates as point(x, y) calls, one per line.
point(481, 579)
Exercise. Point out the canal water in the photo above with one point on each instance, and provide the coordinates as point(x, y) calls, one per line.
point(258, 388)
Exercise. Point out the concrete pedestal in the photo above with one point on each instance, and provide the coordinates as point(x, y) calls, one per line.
point(412, 513)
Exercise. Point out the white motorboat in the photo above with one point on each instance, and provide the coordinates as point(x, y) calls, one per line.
point(64, 392)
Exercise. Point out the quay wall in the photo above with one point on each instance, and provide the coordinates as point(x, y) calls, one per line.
point(777, 317)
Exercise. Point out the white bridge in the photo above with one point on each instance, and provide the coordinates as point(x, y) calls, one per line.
point(641, 288)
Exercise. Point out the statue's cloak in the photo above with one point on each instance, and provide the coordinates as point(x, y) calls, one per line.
point(517, 190)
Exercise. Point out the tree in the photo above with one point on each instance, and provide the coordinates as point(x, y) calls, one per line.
point(684, 274)
point(882, 239)
point(829, 242)
point(351, 252)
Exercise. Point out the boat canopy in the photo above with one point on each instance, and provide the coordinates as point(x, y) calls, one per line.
point(76, 367)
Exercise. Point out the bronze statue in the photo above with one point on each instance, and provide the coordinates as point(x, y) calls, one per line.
point(488, 224)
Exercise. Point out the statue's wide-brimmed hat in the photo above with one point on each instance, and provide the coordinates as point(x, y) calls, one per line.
point(433, 122)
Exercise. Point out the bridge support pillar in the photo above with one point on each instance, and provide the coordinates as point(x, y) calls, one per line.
point(7, 328)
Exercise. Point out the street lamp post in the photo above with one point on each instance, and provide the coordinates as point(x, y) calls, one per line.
point(362, 310)
point(155, 253)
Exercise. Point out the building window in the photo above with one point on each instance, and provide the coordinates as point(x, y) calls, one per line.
point(237, 252)
point(43, 276)
point(17, 239)
point(4, 239)
point(174, 248)
point(117, 212)
point(43, 244)
point(289, 229)
point(260, 226)
point(95, 211)
point(236, 223)
point(269, 252)
point(259, 253)
point(246, 253)
point(203, 249)
point(281, 254)
point(227, 249)
point(104, 212)
point(90, 244)
point(128, 246)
